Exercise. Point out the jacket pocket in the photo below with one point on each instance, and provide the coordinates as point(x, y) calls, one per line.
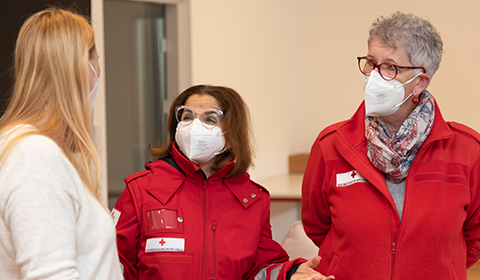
point(333, 264)
point(453, 273)
point(163, 220)
point(167, 258)
point(451, 179)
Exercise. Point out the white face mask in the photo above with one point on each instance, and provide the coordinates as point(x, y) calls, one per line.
point(93, 92)
point(199, 143)
point(383, 98)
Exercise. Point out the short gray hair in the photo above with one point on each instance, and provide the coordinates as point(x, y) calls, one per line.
point(419, 37)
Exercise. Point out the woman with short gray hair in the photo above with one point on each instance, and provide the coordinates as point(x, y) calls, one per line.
point(393, 193)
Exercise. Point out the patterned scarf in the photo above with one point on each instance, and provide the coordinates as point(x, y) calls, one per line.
point(394, 153)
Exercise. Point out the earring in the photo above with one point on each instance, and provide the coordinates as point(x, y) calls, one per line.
point(415, 100)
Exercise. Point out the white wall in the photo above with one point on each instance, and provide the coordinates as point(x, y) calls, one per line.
point(295, 63)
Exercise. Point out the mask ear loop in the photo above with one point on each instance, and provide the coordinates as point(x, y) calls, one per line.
point(398, 106)
point(407, 82)
point(93, 69)
point(93, 91)
point(415, 98)
point(221, 152)
point(224, 149)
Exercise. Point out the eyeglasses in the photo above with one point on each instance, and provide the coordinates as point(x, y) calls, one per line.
point(209, 118)
point(388, 71)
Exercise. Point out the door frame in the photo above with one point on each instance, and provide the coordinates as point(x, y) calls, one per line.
point(179, 74)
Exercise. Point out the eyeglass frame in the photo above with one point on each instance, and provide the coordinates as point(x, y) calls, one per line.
point(207, 125)
point(380, 72)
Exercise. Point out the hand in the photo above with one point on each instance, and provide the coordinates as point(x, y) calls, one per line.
point(306, 271)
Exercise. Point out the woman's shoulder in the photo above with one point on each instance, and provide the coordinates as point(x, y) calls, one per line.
point(36, 162)
point(161, 168)
point(27, 139)
point(246, 190)
point(37, 154)
point(330, 130)
point(39, 147)
point(461, 129)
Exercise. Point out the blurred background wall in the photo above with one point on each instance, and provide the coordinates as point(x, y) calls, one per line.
point(294, 62)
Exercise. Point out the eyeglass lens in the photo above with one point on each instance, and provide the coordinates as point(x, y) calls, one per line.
point(210, 117)
point(387, 71)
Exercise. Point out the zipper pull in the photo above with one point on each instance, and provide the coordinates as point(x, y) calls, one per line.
point(214, 225)
point(394, 248)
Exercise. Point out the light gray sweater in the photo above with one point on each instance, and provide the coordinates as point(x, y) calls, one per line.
point(51, 227)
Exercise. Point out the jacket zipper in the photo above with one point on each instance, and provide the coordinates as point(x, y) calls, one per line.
point(394, 251)
point(394, 245)
point(214, 253)
point(402, 220)
point(204, 212)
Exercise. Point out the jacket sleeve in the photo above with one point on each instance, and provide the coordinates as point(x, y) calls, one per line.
point(315, 211)
point(278, 271)
point(128, 232)
point(271, 260)
point(472, 223)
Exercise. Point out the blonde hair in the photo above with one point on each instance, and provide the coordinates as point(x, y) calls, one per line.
point(51, 90)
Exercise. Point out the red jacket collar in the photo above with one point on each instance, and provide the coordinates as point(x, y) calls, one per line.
point(354, 129)
point(170, 179)
point(191, 169)
point(351, 143)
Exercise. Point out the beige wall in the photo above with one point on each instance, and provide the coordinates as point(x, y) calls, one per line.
point(294, 61)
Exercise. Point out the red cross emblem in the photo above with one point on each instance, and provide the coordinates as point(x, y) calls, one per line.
point(354, 174)
point(162, 242)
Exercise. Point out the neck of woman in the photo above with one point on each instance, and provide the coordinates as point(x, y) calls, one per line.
point(395, 121)
point(207, 167)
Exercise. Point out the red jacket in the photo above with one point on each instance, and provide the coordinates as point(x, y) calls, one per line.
point(349, 213)
point(175, 224)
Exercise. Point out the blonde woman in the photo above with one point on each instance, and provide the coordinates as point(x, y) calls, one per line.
point(52, 222)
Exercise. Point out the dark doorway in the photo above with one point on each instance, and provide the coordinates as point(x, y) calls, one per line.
point(13, 14)
point(137, 105)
